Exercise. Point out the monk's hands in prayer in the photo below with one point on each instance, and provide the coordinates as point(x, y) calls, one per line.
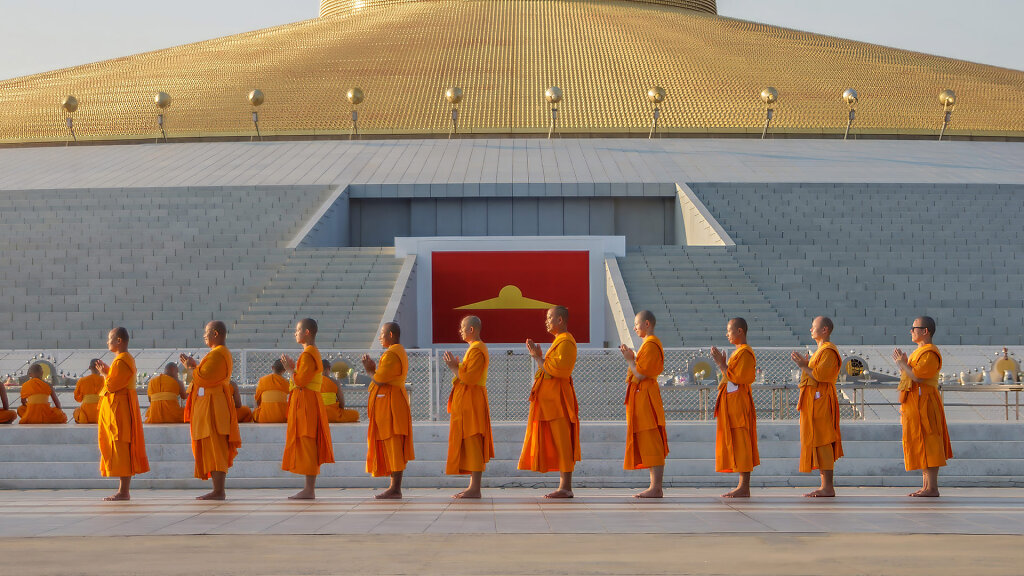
point(102, 367)
point(452, 361)
point(289, 363)
point(188, 361)
point(801, 360)
point(719, 357)
point(534, 349)
point(899, 357)
point(368, 364)
point(628, 353)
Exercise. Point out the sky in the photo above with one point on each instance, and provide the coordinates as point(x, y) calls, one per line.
point(41, 35)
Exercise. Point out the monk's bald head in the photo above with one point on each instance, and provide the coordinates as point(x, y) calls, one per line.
point(277, 367)
point(926, 322)
point(556, 321)
point(560, 312)
point(646, 316)
point(35, 371)
point(390, 334)
point(93, 365)
point(171, 369)
point(309, 325)
point(215, 334)
point(473, 322)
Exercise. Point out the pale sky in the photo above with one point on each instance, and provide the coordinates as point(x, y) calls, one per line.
point(41, 35)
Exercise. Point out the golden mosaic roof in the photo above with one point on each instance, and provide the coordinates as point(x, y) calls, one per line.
point(603, 54)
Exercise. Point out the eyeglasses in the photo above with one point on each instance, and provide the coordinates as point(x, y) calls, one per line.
point(918, 327)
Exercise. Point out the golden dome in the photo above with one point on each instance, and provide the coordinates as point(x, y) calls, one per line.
point(604, 55)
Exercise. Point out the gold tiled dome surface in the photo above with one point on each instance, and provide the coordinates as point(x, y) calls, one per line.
point(335, 7)
point(504, 53)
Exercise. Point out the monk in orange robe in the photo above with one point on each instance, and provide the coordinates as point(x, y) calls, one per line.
point(6, 414)
point(164, 392)
point(308, 437)
point(389, 433)
point(272, 397)
point(87, 394)
point(821, 443)
point(120, 436)
point(736, 433)
point(646, 437)
point(926, 444)
point(470, 442)
point(552, 439)
point(210, 411)
point(35, 400)
point(334, 399)
point(242, 412)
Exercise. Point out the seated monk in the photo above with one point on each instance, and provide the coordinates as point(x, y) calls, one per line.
point(87, 394)
point(35, 400)
point(334, 399)
point(272, 397)
point(164, 391)
point(6, 414)
point(243, 411)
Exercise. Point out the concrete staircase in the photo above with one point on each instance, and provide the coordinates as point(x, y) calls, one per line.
point(874, 256)
point(345, 289)
point(694, 290)
point(53, 457)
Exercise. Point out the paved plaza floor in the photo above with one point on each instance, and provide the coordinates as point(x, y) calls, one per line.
point(514, 531)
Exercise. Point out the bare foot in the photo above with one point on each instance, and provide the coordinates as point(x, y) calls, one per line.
point(821, 493)
point(916, 493)
point(650, 493)
point(212, 496)
point(737, 493)
point(303, 495)
point(389, 494)
point(560, 494)
point(117, 497)
point(926, 494)
point(467, 494)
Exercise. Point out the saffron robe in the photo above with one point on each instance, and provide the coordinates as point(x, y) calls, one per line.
point(308, 437)
point(209, 410)
point(164, 407)
point(470, 441)
point(87, 394)
point(552, 441)
point(119, 434)
point(38, 410)
point(819, 409)
point(335, 413)
point(736, 417)
point(925, 434)
point(271, 400)
point(646, 437)
point(389, 444)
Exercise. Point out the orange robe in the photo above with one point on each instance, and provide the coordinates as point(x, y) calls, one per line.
point(38, 410)
point(552, 441)
point(242, 412)
point(271, 400)
point(389, 444)
point(307, 442)
point(470, 442)
point(210, 412)
point(819, 411)
point(120, 437)
point(164, 408)
point(7, 416)
point(646, 437)
point(87, 394)
point(736, 432)
point(335, 413)
point(925, 435)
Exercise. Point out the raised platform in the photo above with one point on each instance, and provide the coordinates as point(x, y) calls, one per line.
point(62, 457)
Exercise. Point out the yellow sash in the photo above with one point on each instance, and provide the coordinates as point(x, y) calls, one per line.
point(313, 385)
point(330, 398)
point(38, 399)
point(274, 396)
point(163, 397)
point(90, 399)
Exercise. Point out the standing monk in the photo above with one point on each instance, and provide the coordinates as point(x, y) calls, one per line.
point(926, 445)
point(121, 440)
point(308, 438)
point(6, 414)
point(272, 397)
point(389, 433)
point(210, 411)
point(736, 434)
point(646, 438)
point(87, 394)
point(552, 439)
point(35, 400)
point(334, 399)
point(164, 391)
point(470, 442)
point(821, 444)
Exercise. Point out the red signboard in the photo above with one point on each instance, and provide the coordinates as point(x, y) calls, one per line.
point(510, 292)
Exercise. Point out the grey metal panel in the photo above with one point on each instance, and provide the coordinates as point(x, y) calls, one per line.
point(449, 217)
point(382, 220)
point(641, 220)
point(602, 216)
point(549, 217)
point(576, 216)
point(525, 218)
point(423, 217)
point(499, 217)
point(474, 217)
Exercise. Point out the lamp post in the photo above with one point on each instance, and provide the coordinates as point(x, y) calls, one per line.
point(655, 96)
point(70, 105)
point(948, 100)
point(256, 98)
point(454, 95)
point(355, 97)
point(553, 95)
point(162, 101)
point(850, 97)
point(770, 96)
